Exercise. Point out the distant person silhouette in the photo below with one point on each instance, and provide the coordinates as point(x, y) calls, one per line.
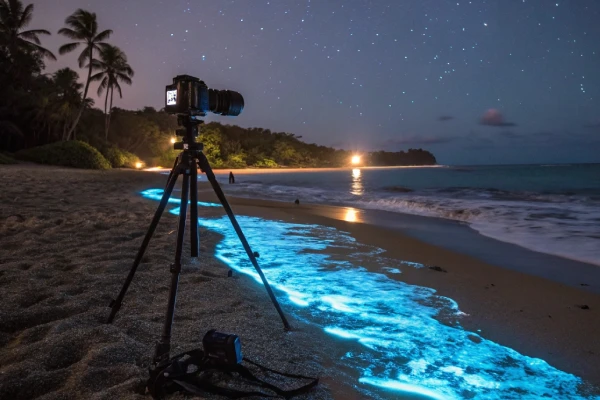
point(297, 202)
point(231, 177)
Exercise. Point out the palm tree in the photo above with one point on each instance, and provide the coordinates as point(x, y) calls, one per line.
point(66, 83)
point(68, 97)
point(113, 69)
point(13, 19)
point(83, 27)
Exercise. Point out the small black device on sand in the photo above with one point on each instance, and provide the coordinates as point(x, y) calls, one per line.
point(190, 99)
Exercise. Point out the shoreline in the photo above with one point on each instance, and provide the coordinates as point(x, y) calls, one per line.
point(549, 326)
point(535, 227)
point(411, 225)
point(536, 316)
point(249, 171)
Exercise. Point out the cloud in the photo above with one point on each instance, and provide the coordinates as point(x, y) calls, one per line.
point(445, 118)
point(493, 117)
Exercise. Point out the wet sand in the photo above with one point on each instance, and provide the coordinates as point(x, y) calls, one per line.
point(68, 238)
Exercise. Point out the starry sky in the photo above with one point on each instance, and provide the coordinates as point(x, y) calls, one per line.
point(475, 82)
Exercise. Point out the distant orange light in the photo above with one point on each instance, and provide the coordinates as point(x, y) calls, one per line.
point(173, 140)
point(355, 160)
point(139, 165)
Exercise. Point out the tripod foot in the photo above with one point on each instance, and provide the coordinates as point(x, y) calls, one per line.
point(115, 309)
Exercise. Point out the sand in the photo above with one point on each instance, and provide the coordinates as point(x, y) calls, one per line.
point(68, 238)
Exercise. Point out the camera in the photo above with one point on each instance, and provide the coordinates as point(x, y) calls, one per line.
point(189, 95)
point(222, 348)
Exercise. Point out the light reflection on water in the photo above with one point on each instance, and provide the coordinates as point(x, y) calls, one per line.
point(357, 185)
point(401, 344)
point(352, 215)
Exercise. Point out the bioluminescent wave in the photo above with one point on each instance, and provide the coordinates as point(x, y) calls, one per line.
point(393, 331)
point(156, 194)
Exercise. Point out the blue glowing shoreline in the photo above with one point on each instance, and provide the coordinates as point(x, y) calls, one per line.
point(402, 346)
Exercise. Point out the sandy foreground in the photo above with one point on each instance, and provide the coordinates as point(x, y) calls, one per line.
point(68, 238)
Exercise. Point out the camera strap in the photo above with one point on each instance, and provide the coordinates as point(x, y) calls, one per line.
point(191, 372)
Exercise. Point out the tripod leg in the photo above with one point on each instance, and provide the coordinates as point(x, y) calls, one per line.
point(194, 208)
point(163, 347)
point(173, 170)
point(116, 304)
point(205, 167)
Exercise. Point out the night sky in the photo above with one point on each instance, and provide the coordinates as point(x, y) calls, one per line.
point(475, 82)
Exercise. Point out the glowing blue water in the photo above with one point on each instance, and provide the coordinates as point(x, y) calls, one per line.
point(156, 194)
point(403, 346)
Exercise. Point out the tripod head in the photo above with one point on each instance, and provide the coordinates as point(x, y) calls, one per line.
point(188, 133)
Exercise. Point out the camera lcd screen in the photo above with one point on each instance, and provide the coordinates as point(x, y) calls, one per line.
point(171, 97)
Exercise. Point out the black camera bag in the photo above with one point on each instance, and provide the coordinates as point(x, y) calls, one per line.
point(191, 371)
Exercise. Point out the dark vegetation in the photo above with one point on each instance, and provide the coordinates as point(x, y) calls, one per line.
point(39, 109)
point(72, 153)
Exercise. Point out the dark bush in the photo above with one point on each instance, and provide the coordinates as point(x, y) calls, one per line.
point(119, 158)
point(5, 159)
point(68, 154)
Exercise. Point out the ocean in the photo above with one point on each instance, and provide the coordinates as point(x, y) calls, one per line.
point(552, 209)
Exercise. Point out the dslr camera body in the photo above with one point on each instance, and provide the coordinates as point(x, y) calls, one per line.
point(189, 95)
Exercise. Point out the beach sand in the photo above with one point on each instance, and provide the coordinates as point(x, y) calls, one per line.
point(68, 238)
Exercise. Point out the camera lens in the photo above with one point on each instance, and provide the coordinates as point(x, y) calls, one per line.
point(225, 102)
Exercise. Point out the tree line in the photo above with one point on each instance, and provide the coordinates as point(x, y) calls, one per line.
point(37, 108)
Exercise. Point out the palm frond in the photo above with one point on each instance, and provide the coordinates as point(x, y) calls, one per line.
point(127, 70)
point(93, 25)
point(102, 36)
point(71, 34)
point(26, 16)
point(67, 48)
point(101, 46)
point(44, 52)
point(33, 35)
point(80, 26)
point(82, 22)
point(123, 78)
point(102, 85)
point(118, 87)
point(78, 16)
point(29, 37)
point(97, 77)
point(97, 65)
point(37, 32)
point(84, 57)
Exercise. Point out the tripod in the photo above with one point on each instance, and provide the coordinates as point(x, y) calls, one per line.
point(186, 164)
